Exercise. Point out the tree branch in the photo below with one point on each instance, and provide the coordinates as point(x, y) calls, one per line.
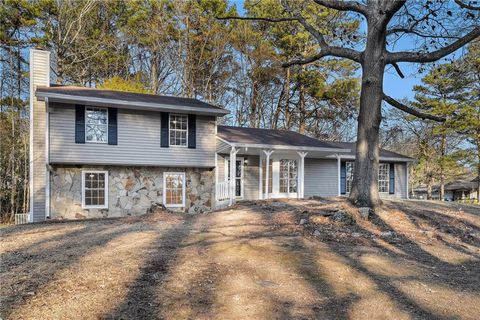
point(435, 55)
point(397, 68)
point(466, 6)
point(413, 112)
point(343, 5)
point(267, 19)
point(307, 26)
point(418, 33)
point(339, 52)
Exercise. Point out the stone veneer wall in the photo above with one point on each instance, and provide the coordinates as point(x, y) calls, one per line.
point(132, 191)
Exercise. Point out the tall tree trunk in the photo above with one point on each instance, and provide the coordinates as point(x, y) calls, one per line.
point(254, 105)
point(154, 72)
point(301, 108)
point(283, 100)
point(429, 190)
point(365, 178)
point(478, 167)
point(443, 146)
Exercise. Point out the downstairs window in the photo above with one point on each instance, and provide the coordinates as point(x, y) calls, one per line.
point(174, 189)
point(95, 189)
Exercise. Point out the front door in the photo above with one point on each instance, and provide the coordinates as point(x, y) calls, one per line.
point(238, 176)
point(283, 177)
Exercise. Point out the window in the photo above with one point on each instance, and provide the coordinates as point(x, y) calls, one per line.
point(349, 178)
point(238, 175)
point(264, 175)
point(96, 125)
point(95, 189)
point(178, 130)
point(174, 189)
point(288, 176)
point(383, 177)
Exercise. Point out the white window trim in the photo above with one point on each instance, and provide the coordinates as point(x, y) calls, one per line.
point(378, 183)
point(169, 135)
point(92, 107)
point(353, 171)
point(388, 178)
point(84, 206)
point(287, 194)
point(182, 205)
point(242, 178)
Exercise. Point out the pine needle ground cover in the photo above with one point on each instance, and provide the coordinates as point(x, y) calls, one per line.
point(278, 259)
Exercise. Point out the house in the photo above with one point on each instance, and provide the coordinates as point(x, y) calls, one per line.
point(103, 153)
point(454, 190)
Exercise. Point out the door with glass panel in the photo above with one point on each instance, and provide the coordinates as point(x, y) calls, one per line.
point(288, 177)
point(238, 176)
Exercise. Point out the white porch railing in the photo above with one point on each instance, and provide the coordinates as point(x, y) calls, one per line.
point(21, 218)
point(223, 190)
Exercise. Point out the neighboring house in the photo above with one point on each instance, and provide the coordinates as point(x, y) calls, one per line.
point(103, 153)
point(454, 190)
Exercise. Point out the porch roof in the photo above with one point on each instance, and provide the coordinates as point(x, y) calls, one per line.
point(274, 139)
point(256, 138)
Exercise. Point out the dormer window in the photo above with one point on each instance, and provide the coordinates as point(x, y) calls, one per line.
point(178, 129)
point(96, 125)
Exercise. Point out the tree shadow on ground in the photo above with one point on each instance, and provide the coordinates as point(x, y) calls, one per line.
point(35, 266)
point(444, 272)
point(141, 301)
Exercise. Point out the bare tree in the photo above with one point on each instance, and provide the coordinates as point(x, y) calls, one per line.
point(438, 29)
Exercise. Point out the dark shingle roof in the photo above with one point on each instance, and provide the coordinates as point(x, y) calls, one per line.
point(456, 185)
point(383, 153)
point(243, 135)
point(127, 97)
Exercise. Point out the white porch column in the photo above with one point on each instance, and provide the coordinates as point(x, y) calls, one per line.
point(338, 174)
point(260, 177)
point(268, 153)
point(216, 176)
point(301, 174)
point(233, 159)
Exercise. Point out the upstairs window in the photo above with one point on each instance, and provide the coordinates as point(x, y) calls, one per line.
point(96, 125)
point(95, 189)
point(178, 125)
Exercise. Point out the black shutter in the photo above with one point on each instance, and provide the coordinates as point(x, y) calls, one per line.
point(112, 126)
point(79, 123)
point(164, 129)
point(192, 131)
point(391, 186)
point(343, 178)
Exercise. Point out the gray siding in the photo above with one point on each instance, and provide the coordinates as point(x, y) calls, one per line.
point(400, 183)
point(321, 177)
point(251, 176)
point(138, 141)
point(39, 76)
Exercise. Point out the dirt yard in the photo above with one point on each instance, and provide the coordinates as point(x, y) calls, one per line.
point(264, 260)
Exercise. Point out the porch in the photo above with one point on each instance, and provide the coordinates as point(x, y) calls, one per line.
point(265, 171)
